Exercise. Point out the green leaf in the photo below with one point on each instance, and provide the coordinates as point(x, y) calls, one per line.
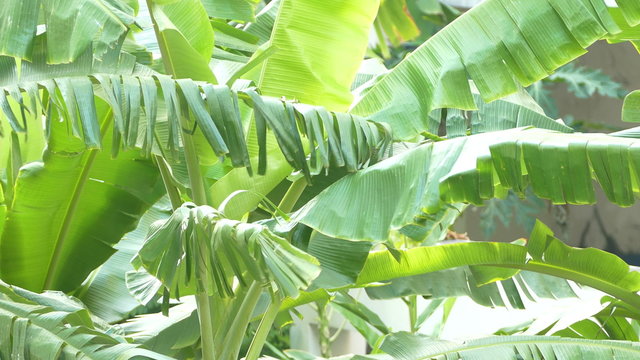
point(72, 26)
point(505, 210)
point(402, 183)
point(543, 254)
point(600, 328)
point(406, 346)
point(499, 44)
point(440, 271)
point(630, 10)
point(3, 210)
point(513, 111)
point(631, 107)
point(628, 32)
point(105, 293)
point(213, 110)
point(231, 37)
point(557, 166)
point(516, 110)
point(241, 10)
point(360, 317)
point(265, 20)
point(246, 251)
point(51, 326)
point(464, 281)
point(185, 37)
point(75, 205)
point(30, 150)
point(325, 44)
point(396, 22)
point(584, 82)
point(167, 335)
point(302, 355)
point(340, 260)
point(432, 228)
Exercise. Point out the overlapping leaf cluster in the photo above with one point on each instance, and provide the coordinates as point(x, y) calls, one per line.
point(197, 238)
point(142, 102)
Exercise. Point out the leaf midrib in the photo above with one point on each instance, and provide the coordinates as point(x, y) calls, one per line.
point(72, 207)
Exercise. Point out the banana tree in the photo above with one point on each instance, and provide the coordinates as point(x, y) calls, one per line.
point(270, 176)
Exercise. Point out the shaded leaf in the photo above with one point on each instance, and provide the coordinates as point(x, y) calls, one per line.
point(171, 254)
point(106, 292)
point(39, 327)
point(73, 207)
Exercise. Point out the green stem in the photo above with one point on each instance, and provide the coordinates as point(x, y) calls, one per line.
point(202, 299)
point(384, 48)
point(198, 196)
point(324, 329)
point(412, 304)
point(293, 194)
point(206, 326)
point(233, 340)
point(198, 192)
point(263, 329)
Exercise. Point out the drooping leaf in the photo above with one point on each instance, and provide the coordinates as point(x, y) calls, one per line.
point(513, 111)
point(172, 254)
point(325, 44)
point(628, 31)
point(29, 143)
point(400, 183)
point(143, 101)
point(265, 19)
point(340, 260)
point(303, 355)
point(516, 110)
point(512, 292)
point(429, 229)
point(499, 44)
point(3, 210)
point(543, 254)
point(557, 166)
